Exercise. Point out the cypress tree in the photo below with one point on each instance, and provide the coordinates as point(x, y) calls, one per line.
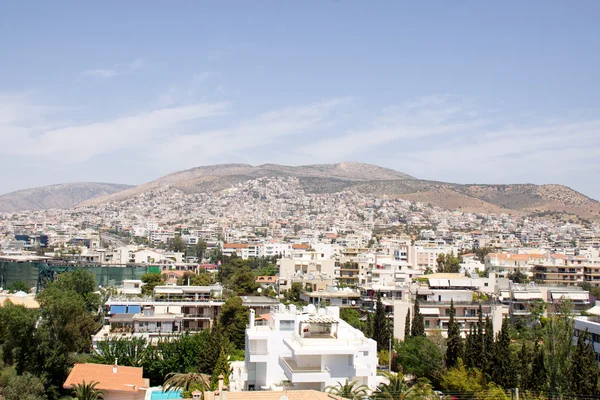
point(584, 370)
point(488, 351)
point(222, 367)
point(418, 325)
point(478, 342)
point(454, 343)
point(470, 350)
point(407, 325)
point(539, 376)
point(380, 326)
point(504, 370)
point(525, 368)
point(369, 325)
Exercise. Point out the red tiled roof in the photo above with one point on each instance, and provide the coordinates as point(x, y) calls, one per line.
point(126, 379)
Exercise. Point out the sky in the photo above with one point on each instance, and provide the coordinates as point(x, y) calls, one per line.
point(457, 91)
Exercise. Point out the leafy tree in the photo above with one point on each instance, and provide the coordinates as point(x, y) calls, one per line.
point(380, 325)
point(504, 371)
point(244, 282)
point(525, 361)
point(478, 344)
point(177, 245)
point(221, 368)
point(293, 294)
point(87, 391)
point(348, 390)
point(17, 286)
point(151, 280)
point(584, 368)
point(24, 387)
point(200, 249)
point(418, 324)
point(17, 330)
point(454, 343)
point(418, 356)
point(369, 326)
point(233, 319)
point(202, 279)
point(518, 277)
point(471, 384)
point(471, 355)
point(82, 282)
point(352, 317)
point(131, 352)
point(557, 340)
point(407, 324)
point(448, 263)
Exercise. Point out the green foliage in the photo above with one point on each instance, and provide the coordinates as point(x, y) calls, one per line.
point(395, 389)
point(243, 282)
point(448, 263)
point(131, 352)
point(200, 249)
point(177, 245)
point(407, 324)
point(24, 387)
point(504, 371)
point(418, 356)
point(454, 350)
point(233, 320)
point(352, 317)
point(418, 324)
point(82, 282)
point(471, 384)
point(381, 332)
point(87, 391)
point(186, 382)
point(584, 368)
point(557, 337)
point(348, 390)
point(201, 279)
point(18, 286)
point(222, 367)
point(151, 280)
point(518, 277)
point(17, 330)
point(293, 294)
point(538, 382)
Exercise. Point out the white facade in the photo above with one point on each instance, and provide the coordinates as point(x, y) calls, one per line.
point(310, 348)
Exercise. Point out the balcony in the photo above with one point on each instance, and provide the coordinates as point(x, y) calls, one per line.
point(304, 374)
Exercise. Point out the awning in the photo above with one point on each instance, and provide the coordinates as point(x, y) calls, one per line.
point(134, 309)
point(118, 309)
point(527, 295)
point(430, 311)
point(570, 295)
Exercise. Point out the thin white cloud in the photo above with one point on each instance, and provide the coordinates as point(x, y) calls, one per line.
point(117, 69)
point(101, 72)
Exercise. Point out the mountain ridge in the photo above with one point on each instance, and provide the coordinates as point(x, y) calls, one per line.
point(60, 196)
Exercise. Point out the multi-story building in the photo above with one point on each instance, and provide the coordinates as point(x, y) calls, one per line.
point(503, 264)
point(308, 347)
point(559, 269)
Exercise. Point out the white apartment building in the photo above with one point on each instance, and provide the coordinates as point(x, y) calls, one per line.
point(308, 347)
point(242, 250)
point(304, 263)
point(590, 323)
point(504, 264)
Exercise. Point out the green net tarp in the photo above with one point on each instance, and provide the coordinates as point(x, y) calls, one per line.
point(28, 272)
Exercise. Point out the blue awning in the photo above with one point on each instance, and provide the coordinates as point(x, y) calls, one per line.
point(118, 309)
point(134, 310)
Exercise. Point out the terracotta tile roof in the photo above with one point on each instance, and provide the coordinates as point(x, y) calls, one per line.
point(235, 246)
point(127, 379)
point(266, 279)
point(515, 257)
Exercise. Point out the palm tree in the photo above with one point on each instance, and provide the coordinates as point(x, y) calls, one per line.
point(186, 382)
point(87, 391)
point(395, 389)
point(349, 390)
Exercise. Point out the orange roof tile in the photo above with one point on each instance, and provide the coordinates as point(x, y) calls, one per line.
point(300, 246)
point(126, 379)
point(235, 246)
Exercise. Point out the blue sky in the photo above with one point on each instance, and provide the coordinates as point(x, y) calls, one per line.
point(461, 91)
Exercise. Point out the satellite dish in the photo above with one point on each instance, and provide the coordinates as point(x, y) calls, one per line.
point(259, 290)
point(353, 302)
point(500, 298)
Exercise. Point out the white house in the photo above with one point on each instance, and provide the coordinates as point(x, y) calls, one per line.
point(308, 348)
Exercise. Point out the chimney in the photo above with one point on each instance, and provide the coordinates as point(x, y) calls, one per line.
point(252, 318)
point(221, 377)
point(115, 367)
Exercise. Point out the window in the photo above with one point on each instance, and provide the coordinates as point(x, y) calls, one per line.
point(426, 324)
point(286, 325)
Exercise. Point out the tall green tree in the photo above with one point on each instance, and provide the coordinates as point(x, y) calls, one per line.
point(418, 324)
point(200, 249)
point(177, 244)
point(381, 333)
point(538, 382)
point(407, 325)
point(455, 345)
point(479, 341)
point(488, 351)
point(221, 368)
point(151, 280)
point(557, 340)
point(584, 368)
point(471, 354)
point(504, 371)
point(233, 320)
point(418, 356)
point(448, 263)
point(525, 360)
